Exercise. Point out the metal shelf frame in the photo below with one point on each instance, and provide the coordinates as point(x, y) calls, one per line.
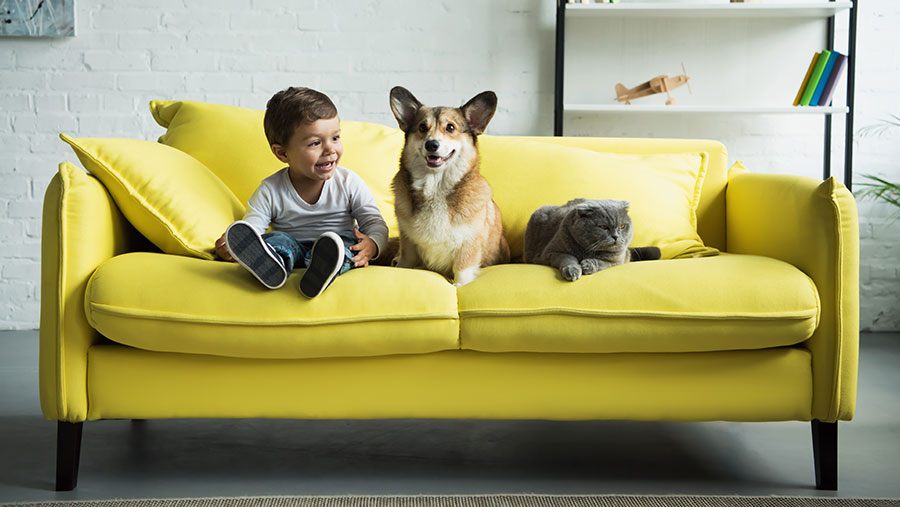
point(823, 9)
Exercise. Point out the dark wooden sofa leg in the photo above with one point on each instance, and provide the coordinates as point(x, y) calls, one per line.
point(68, 449)
point(825, 451)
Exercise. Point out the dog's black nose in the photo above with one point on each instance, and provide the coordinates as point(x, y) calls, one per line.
point(432, 145)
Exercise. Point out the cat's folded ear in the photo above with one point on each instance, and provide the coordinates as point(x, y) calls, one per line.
point(625, 204)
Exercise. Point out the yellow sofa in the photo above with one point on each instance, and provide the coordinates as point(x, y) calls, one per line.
point(751, 316)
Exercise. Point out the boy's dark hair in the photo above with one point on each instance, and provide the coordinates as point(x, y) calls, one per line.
point(292, 106)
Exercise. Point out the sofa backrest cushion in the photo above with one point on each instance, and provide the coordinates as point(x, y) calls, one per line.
point(710, 210)
point(663, 183)
point(663, 189)
point(167, 195)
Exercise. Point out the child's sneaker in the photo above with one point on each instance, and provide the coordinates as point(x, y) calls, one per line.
point(325, 262)
point(248, 248)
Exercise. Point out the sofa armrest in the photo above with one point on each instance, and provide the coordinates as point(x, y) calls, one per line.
point(81, 228)
point(812, 225)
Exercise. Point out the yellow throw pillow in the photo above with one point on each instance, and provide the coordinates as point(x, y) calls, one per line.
point(663, 189)
point(228, 140)
point(168, 196)
point(231, 142)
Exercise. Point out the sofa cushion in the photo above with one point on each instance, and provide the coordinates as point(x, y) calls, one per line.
point(718, 303)
point(663, 189)
point(167, 195)
point(171, 303)
point(231, 142)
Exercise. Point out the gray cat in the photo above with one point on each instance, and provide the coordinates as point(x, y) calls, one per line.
point(582, 237)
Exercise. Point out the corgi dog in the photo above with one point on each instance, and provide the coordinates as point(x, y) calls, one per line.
point(448, 220)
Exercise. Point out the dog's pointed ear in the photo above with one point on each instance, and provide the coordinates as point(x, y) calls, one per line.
point(479, 111)
point(405, 106)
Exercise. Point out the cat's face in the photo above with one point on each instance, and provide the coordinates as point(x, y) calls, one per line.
point(601, 225)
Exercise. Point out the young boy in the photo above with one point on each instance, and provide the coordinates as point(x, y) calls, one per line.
point(311, 204)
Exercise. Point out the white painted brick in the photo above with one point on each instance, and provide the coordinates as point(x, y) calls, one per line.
point(153, 41)
point(41, 57)
point(19, 311)
point(216, 41)
point(256, 100)
point(119, 19)
point(296, 61)
point(226, 5)
point(56, 123)
point(11, 143)
point(317, 20)
point(14, 102)
point(245, 63)
point(116, 60)
point(50, 103)
point(269, 83)
point(24, 209)
point(184, 61)
point(24, 123)
point(16, 291)
point(280, 5)
point(250, 21)
point(219, 82)
point(46, 142)
point(40, 183)
point(85, 102)
point(11, 230)
point(68, 81)
point(336, 83)
point(108, 125)
point(151, 81)
point(375, 103)
point(228, 99)
point(183, 22)
point(115, 101)
point(33, 228)
point(884, 272)
point(22, 80)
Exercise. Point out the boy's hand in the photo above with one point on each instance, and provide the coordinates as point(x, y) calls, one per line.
point(222, 249)
point(365, 247)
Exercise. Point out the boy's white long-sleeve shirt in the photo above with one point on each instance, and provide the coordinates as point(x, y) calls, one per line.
point(345, 201)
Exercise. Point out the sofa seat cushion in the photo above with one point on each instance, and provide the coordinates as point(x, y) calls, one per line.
point(718, 303)
point(172, 303)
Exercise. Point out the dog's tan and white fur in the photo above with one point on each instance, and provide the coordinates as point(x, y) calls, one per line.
point(448, 220)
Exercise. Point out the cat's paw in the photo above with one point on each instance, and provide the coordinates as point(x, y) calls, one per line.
point(571, 272)
point(395, 262)
point(589, 266)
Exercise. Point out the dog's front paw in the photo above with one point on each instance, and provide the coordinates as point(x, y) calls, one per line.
point(571, 272)
point(395, 262)
point(465, 276)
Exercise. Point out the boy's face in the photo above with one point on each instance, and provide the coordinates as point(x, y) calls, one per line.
point(313, 152)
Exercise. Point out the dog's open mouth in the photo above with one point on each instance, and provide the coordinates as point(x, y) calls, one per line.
point(436, 161)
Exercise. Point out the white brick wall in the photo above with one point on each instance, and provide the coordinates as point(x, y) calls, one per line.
point(241, 51)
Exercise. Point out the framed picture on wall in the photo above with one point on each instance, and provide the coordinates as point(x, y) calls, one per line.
point(37, 18)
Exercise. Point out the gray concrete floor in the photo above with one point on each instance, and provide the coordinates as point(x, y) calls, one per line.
point(207, 458)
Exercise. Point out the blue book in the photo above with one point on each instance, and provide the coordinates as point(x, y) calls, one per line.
point(826, 73)
point(836, 72)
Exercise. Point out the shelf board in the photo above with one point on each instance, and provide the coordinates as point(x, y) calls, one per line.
point(676, 109)
point(819, 9)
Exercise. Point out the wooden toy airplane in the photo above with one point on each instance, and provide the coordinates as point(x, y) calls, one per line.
point(659, 84)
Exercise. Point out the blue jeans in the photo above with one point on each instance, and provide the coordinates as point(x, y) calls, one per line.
point(296, 254)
